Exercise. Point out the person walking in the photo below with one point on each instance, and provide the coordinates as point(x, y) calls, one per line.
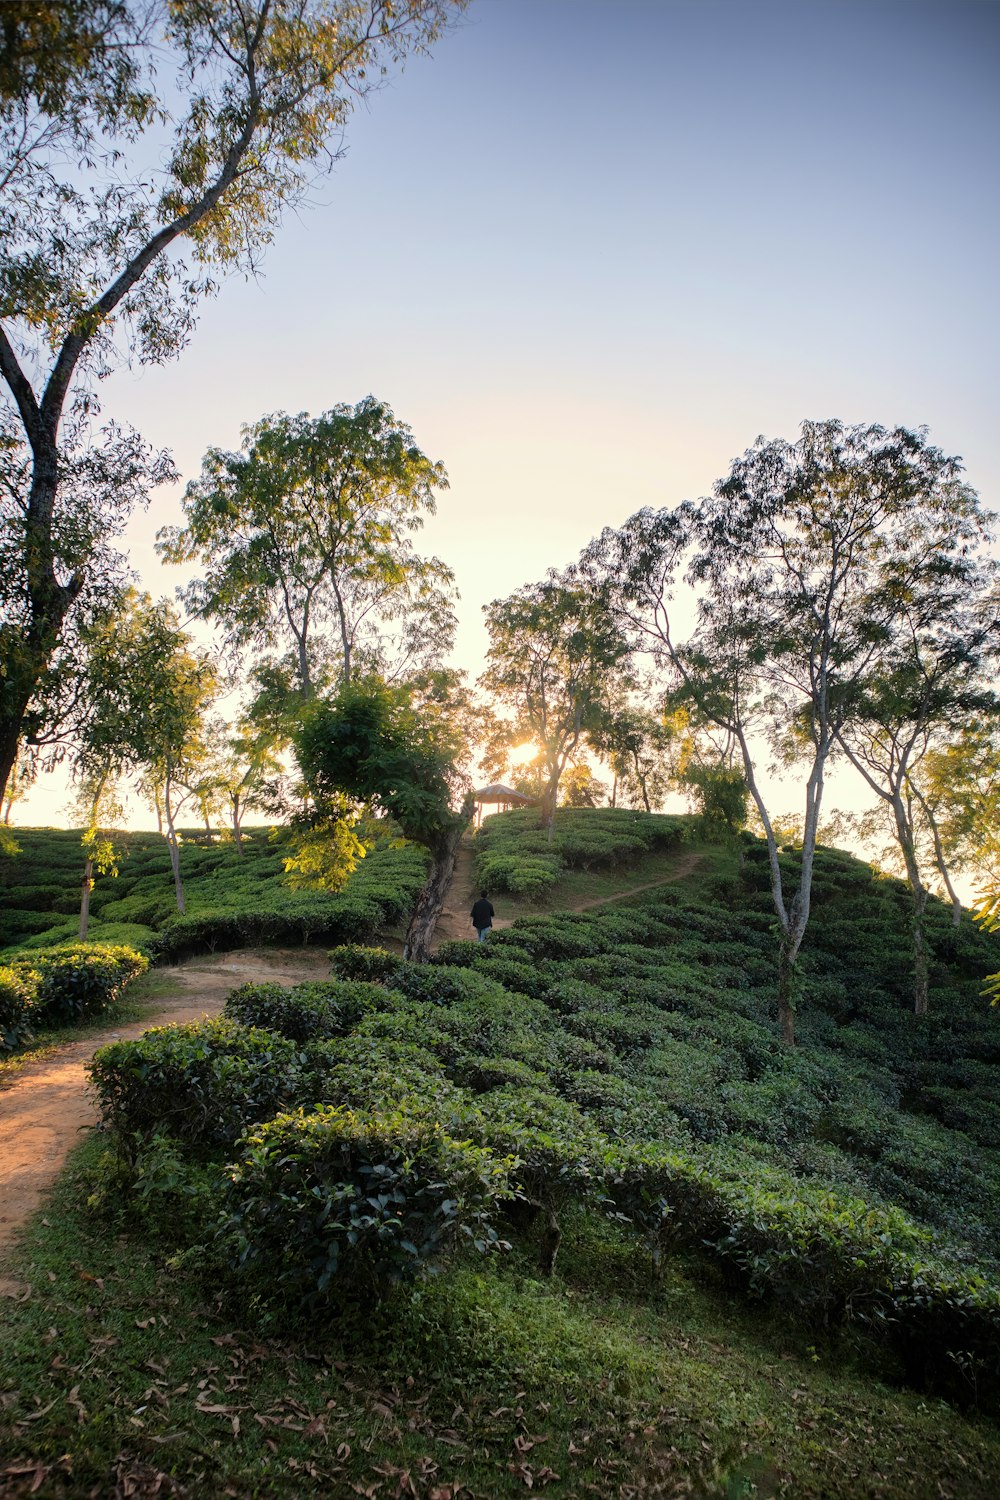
point(482, 916)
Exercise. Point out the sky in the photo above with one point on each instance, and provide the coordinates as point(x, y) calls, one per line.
point(591, 249)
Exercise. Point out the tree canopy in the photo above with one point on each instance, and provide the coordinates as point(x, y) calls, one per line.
point(304, 537)
point(103, 259)
point(806, 560)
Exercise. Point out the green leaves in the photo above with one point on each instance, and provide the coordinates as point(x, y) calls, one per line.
point(330, 1202)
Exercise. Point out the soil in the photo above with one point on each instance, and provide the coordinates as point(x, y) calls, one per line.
point(43, 1112)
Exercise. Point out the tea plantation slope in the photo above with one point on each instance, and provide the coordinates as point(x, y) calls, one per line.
point(619, 1061)
point(232, 900)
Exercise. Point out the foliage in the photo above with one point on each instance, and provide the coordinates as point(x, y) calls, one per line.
point(203, 1083)
point(68, 983)
point(232, 899)
point(333, 1203)
point(93, 268)
point(551, 655)
point(352, 961)
point(308, 1012)
point(371, 742)
point(17, 1007)
point(305, 536)
point(815, 560)
point(515, 854)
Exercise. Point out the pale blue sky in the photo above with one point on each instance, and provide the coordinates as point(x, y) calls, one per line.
point(592, 248)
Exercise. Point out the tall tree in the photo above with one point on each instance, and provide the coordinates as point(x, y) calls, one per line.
point(936, 675)
point(373, 744)
point(638, 744)
point(304, 536)
point(552, 654)
point(91, 235)
point(803, 559)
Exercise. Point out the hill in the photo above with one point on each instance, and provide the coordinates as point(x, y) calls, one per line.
point(731, 1268)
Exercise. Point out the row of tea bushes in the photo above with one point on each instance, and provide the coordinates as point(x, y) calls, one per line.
point(356, 1159)
point(233, 899)
point(62, 986)
point(515, 854)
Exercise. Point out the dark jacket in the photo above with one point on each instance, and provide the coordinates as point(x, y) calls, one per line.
point(482, 914)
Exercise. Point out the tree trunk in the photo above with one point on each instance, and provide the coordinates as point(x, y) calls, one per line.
point(237, 830)
point(48, 602)
point(786, 992)
point(921, 956)
point(173, 846)
point(417, 947)
point(85, 889)
point(918, 892)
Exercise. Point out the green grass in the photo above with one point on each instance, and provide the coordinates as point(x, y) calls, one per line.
point(575, 889)
point(118, 1365)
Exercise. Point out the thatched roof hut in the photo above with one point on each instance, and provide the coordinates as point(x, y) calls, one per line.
point(503, 798)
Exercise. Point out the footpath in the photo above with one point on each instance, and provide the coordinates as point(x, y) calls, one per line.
point(46, 1106)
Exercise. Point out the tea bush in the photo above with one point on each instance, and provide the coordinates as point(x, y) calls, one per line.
point(68, 983)
point(309, 1012)
point(203, 1083)
point(334, 1203)
point(351, 961)
point(17, 1009)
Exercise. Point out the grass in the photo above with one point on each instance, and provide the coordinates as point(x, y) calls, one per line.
point(117, 1369)
point(576, 889)
point(142, 999)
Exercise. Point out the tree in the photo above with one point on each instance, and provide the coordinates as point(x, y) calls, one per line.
point(637, 743)
point(305, 538)
point(370, 743)
point(552, 652)
point(90, 235)
point(936, 675)
point(147, 690)
point(960, 784)
point(804, 558)
point(101, 811)
point(581, 788)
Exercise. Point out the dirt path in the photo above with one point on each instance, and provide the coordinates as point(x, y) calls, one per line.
point(44, 1110)
point(454, 920)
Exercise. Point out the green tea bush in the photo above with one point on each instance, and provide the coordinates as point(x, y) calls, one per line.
point(351, 961)
point(355, 1072)
point(69, 983)
point(558, 1155)
point(307, 1012)
point(202, 1083)
point(17, 1009)
point(517, 875)
point(440, 984)
point(333, 1204)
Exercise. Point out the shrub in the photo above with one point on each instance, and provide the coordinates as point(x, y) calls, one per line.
point(519, 875)
point(441, 984)
point(332, 1202)
point(351, 961)
point(309, 1011)
point(17, 1008)
point(203, 1083)
point(72, 982)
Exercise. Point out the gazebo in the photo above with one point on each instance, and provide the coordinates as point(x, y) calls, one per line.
point(503, 798)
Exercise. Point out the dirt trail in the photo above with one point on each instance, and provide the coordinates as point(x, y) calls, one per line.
point(454, 920)
point(46, 1107)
